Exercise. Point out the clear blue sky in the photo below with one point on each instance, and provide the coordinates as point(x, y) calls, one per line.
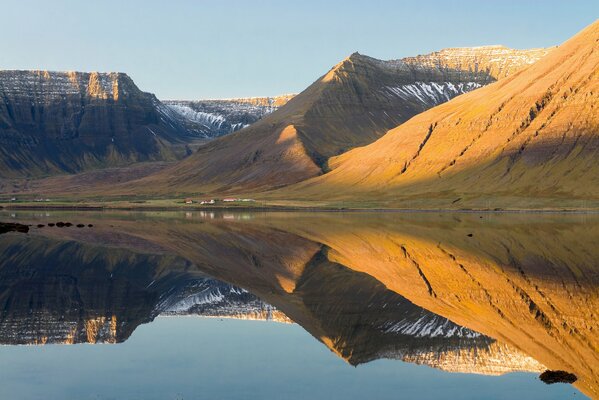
point(186, 49)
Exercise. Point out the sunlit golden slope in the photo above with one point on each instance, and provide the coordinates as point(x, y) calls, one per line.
point(531, 136)
point(352, 105)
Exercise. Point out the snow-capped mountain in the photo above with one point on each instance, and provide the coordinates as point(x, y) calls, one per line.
point(352, 105)
point(213, 118)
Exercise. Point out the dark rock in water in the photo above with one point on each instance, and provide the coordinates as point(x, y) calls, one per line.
point(90, 225)
point(6, 227)
point(60, 224)
point(40, 225)
point(80, 225)
point(51, 224)
point(551, 377)
point(67, 224)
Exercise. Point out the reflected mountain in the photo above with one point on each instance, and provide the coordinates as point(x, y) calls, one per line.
point(68, 292)
point(454, 291)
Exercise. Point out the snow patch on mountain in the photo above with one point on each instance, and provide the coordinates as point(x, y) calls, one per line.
point(214, 118)
point(209, 297)
point(431, 326)
point(431, 93)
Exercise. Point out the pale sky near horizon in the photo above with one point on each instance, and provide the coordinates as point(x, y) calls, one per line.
point(185, 49)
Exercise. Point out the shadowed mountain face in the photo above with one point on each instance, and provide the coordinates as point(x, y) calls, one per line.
point(529, 140)
point(65, 122)
point(352, 105)
point(457, 292)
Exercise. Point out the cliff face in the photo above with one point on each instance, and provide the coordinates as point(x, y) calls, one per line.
point(53, 122)
point(496, 61)
point(352, 105)
point(213, 118)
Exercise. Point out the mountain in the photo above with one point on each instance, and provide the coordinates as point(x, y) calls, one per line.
point(66, 122)
point(529, 140)
point(352, 105)
point(213, 118)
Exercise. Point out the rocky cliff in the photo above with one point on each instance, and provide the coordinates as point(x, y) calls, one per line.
point(57, 122)
point(496, 61)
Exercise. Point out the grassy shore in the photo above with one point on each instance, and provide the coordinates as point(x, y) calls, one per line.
point(179, 204)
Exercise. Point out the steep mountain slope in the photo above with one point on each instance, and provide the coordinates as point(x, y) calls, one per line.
point(355, 103)
point(213, 118)
point(528, 140)
point(53, 122)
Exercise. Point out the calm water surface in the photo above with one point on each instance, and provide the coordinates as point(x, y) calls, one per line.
point(298, 306)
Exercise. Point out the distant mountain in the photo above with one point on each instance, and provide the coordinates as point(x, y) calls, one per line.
point(352, 105)
point(65, 122)
point(530, 140)
point(213, 118)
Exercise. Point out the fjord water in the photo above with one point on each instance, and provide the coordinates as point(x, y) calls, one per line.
point(301, 305)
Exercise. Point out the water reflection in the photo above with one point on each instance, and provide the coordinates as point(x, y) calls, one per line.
point(460, 292)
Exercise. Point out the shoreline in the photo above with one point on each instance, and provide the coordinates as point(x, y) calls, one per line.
point(295, 209)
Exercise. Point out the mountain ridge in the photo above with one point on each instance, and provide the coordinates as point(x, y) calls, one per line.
point(530, 135)
point(351, 105)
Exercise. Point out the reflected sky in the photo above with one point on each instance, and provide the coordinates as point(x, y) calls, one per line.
point(192, 358)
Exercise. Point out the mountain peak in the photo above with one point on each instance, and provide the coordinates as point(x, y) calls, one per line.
point(534, 134)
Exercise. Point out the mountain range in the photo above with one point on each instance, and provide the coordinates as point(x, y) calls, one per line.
point(353, 104)
point(529, 140)
point(486, 127)
point(289, 138)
